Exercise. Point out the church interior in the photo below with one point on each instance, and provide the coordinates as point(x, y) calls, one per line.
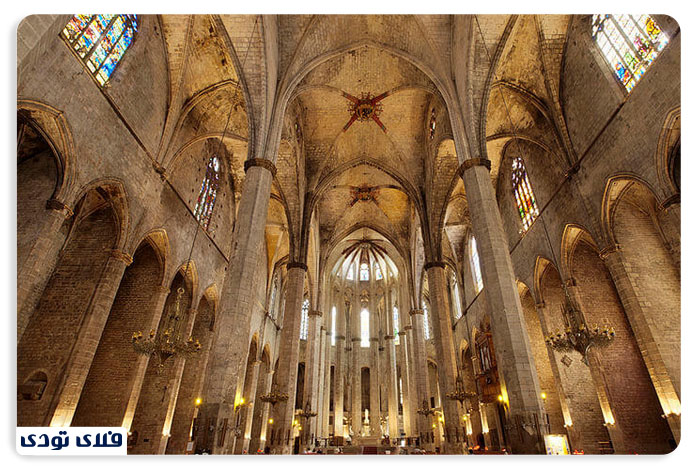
point(351, 234)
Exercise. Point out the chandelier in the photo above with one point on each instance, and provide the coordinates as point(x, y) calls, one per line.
point(578, 335)
point(306, 413)
point(460, 394)
point(274, 396)
point(425, 410)
point(170, 341)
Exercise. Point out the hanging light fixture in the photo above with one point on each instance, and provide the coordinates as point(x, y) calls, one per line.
point(459, 393)
point(274, 396)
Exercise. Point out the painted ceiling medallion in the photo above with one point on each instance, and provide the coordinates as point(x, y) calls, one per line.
point(364, 193)
point(365, 108)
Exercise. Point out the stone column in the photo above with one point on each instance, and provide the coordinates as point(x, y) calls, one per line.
point(664, 372)
point(338, 372)
point(391, 377)
point(356, 405)
point(375, 378)
point(519, 382)
point(266, 412)
point(315, 341)
point(247, 411)
point(420, 378)
point(34, 273)
point(407, 405)
point(93, 322)
point(669, 216)
point(137, 383)
point(237, 300)
point(326, 384)
point(288, 356)
point(446, 357)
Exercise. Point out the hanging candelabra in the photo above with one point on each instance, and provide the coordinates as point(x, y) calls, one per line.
point(578, 335)
point(425, 410)
point(306, 413)
point(274, 396)
point(460, 394)
point(169, 342)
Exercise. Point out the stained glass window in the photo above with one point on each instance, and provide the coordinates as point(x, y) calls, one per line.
point(364, 272)
point(272, 300)
point(475, 266)
point(524, 196)
point(395, 318)
point(456, 299)
point(333, 326)
point(629, 43)
point(426, 321)
point(378, 272)
point(101, 41)
point(364, 328)
point(432, 124)
point(304, 320)
point(349, 276)
point(206, 197)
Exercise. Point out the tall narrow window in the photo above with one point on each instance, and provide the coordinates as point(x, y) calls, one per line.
point(364, 272)
point(426, 321)
point(364, 328)
point(456, 299)
point(304, 320)
point(395, 318)
point(101, 41)
point(272, 299)
point(629, 43)
point(349, 276)
point(333, 326)
point(208, 193)
point(475, 266)
point(526, 202)
point(378, 272)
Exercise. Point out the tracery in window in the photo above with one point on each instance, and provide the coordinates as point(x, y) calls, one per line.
point(456, 298)
point(364, 328)
point(364, 272)
point(629, 43)
point(101, 41)
point(378, 272)
point(304, 320)
point(426, 320)
point(432, 124)
point(475, 265)
point(395, 318)
point(333, 326)
point(208, 193)
point(524, 196)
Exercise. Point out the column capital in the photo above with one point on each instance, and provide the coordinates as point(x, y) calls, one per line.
point(388, 337)
point(415, 312)
point(430, 265)
point(402, 333)
point(122, 256)
point(163, 289)
point(297, 265)
point(605, 252)
point(374, 340)
point(260, 162)
point(570, 282)
point(355, 340)
point(540, 304)
point(317, 313)
point(340, 337)
point(159, 169)
point(407, 328)
point(469, 163)
point(57, 205)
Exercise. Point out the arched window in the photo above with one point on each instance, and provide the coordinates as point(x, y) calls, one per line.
point(475, 265)
point(206, 197)
point(101, 41)
point(364, 328)
point(526, 202)
point(364, 272)
point(378, 272)
point(395, 318)
point(426, 320)
point(272, 299)
point(629, 43)
point(333, 326)
point(304, 320)
point(349, 276)
point(456, 298)
point(432, 124)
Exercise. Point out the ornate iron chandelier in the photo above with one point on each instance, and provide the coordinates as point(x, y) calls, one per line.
point(460, 394)
point(307, 412)
point(169, 342)
point(425, 410)
point(274, 396)
point(578, 335)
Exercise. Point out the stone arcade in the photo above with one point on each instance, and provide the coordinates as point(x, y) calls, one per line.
point(356, 219)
